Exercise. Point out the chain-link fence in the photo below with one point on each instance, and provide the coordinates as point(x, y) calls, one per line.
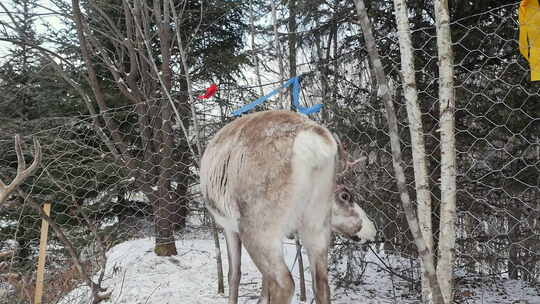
point(139, 179)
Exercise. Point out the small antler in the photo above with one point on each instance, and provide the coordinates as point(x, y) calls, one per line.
point(22, 171)
point(349, 164)
point(344, 156)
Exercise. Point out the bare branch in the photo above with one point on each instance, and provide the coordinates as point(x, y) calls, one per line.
point(93, 79)
point(183, 58)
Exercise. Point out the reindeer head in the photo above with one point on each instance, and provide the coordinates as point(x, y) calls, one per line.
point(349, 219)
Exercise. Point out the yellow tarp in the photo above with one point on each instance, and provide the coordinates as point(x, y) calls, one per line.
point(529, 35)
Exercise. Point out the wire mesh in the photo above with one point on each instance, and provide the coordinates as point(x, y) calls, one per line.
point(101, 198)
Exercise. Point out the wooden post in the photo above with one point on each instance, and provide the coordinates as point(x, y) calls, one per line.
point(41, 262)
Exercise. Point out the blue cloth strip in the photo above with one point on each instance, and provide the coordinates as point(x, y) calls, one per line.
point(295, 81)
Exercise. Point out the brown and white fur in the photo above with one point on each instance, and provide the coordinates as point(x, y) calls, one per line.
point(268, 175)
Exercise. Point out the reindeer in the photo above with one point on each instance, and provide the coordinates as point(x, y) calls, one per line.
point(271, 174)
point(22, 171)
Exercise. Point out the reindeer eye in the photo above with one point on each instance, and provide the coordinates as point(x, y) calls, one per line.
point(344, 196)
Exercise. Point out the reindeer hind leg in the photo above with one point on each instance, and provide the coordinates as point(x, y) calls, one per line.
point(267, 254)
point(234, 255)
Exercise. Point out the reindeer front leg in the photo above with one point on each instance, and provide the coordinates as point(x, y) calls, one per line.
point(316, 243)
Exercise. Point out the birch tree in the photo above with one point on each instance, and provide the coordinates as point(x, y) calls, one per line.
point(424, 243)
point(447, 236)
point(414, 116)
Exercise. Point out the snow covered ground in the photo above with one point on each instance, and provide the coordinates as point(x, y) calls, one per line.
point(136, 275)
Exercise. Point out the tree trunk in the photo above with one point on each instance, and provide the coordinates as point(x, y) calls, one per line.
point(321, 62)
point(277, 47)
point(253, 51)
point(447, 236)
point(414, 115)
point(165, 215)
point(183, 179)
point(165, 245)
point(292, 46)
